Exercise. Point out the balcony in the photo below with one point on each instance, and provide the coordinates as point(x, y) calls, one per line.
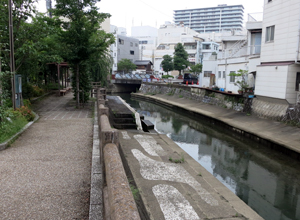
point(254, 21)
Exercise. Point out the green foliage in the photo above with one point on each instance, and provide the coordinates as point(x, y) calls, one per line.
point(180, 58)
point(167, 63)
point(181, 160)
point(167, 76)
point(241, 77)
point(126, 65)
point(196, 69)
point(5, 98)
point(84, 43)
point(84, 85)
point(26, 113)
point(8, 129)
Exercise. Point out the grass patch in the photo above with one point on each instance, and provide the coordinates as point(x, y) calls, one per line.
point(134, 190)
point(181, 160)
point(9, 129)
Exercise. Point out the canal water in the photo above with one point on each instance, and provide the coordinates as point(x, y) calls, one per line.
point(266, 180)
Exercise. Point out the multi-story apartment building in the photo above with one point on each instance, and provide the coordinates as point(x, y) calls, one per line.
point(169, 35)
point(147, 41)
point(270, 53)
point(213, 19)
point(124, 47)
point(278, 75)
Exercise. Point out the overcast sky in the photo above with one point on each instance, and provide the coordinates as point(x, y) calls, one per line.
point(128, 13)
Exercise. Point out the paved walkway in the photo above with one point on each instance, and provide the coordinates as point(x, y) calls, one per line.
point(45, 174)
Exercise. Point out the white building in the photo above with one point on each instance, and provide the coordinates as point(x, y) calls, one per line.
point(278, 75)
point(169, 35)
point(147, 37)
point(270, 52)
point(212, 19)
point(124, 47)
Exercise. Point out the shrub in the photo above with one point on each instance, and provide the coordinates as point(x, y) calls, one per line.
point(26, 112)
point(27, 103)
point(37, 91)
point(167, 76)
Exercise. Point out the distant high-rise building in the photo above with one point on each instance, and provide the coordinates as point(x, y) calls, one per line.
point(49, 7)
point(213, 19)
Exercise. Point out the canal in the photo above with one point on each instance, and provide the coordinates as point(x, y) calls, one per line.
point(266, 180)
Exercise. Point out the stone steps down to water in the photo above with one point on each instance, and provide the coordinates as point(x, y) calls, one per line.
point(120, 116)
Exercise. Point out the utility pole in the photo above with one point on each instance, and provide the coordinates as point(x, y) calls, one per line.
point(12, 56)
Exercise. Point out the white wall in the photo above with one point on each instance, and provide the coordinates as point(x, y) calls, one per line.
point(271, 82)
point(284, 14)
point(142, 31)
point(291, 94)
point(253, 63)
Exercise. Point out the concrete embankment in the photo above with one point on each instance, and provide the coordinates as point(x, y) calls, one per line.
point(172, 185)
point(271, 133)
point(166, 182)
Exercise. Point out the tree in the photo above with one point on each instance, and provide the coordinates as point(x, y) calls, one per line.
point(126, 65)
point(240, 79)
point(82, 39)
point(180, 58)
point(167, 63)
point(196, 69)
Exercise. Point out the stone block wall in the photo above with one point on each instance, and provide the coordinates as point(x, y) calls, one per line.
point(192, 93)
point(264, 108)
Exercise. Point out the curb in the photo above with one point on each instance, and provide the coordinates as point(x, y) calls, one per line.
point(96, 193)
point(6, 144)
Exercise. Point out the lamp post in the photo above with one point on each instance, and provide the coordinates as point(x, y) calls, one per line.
point(12, 57)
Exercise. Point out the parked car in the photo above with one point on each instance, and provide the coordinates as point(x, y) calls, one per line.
point(188, 77)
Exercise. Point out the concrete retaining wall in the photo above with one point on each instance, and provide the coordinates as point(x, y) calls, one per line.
point(195, 93)
point(261, 107)
point(120, 204)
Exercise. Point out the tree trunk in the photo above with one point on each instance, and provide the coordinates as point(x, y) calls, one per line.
point(77, 86)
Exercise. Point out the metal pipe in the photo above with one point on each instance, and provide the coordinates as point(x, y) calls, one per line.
point(12, 56)
point(297, 48)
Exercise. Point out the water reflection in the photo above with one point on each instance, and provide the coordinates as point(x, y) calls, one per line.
point(264, 179)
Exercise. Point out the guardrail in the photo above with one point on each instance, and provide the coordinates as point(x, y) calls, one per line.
point(120, 204)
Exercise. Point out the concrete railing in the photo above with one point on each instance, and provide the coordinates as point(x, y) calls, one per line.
point(120, 204)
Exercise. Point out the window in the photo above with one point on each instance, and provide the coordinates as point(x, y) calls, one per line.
point(297, 81)
point(207, 73)
point(269, 0)
point(143, 42)
point(219, 74)
point(270, 33)
point(132, 52)
point(131, 44)
point(121, 41)
point(232, 78)
point(224, 74)
point(136, 44)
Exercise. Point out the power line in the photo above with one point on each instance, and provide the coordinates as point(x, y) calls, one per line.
point(156, 9)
